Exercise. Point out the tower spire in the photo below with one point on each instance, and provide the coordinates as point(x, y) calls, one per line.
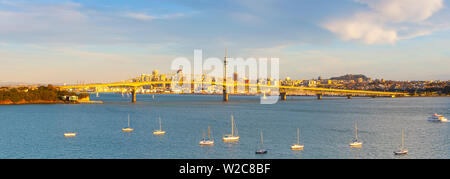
point(225, 94)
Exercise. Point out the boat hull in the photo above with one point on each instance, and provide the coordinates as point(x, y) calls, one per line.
point(127, 129)
point(70, 134)
point(262, 151)
point(356, 144)
point(443, 119)
point(159, 132)
point(231, 138)
point(297, 147)
point(206, 142)
point(401, 152)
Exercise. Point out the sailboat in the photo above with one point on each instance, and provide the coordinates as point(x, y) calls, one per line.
point(402, 150)
point(231, 137)
point(297, 146)
point(128, 129)
point(209, 141)
point(97, 95)
point(262, 150)
point(356, 142)
point(70, 134)
point(160, 131)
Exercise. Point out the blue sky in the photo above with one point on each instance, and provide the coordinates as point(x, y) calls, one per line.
point(101, 40)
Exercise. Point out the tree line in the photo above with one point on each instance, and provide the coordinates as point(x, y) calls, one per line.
point(41, 93)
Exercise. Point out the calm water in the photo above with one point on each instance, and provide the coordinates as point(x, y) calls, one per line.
point(36, 131)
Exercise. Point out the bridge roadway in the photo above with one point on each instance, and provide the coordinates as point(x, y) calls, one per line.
point(283, 91)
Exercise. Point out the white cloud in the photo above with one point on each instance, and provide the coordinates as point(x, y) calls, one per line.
point(404, 10)
point(140, 16)
point(143, 16)
point(387, 21)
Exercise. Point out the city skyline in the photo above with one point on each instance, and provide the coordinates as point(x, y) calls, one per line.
point(51, 41)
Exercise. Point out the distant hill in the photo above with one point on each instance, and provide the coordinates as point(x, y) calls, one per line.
point(350, 77)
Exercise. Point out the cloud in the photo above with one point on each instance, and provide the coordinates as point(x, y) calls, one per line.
point(143, 16)
point(140, 16)
point(386, 21)
point(404, 10)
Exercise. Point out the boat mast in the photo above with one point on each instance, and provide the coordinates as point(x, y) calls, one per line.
point(159, 123)
point(403, 140)
point(209, 133)
point(356, 131)
point(128, 120)
point(261, 138)
point(203, 134)
point(232, 126)
point(298, 136)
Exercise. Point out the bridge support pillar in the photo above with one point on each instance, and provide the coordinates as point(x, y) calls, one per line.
point(283, 96)
point(319, 96)
point(133, 95)
point(225, 95)
point(349, 96)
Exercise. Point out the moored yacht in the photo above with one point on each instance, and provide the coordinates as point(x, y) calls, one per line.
point(231, 137)
point(262, 150)
point(160, 131)
point(209, 141)
point(297, 146)
point(437, 118)
point(356, 142)
point(128, 128)
point(402, 150)
point(70, 134)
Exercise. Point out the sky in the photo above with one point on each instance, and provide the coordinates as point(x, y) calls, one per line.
point(68, 41)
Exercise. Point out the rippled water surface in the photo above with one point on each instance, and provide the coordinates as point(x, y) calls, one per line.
point(36, 131)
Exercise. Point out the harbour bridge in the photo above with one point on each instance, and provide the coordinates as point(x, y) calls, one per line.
point(232, 88)
point(225, 87)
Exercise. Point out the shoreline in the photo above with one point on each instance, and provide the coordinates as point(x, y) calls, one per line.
point(23, 102)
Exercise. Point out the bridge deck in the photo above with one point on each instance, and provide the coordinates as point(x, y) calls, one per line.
point(232, 84)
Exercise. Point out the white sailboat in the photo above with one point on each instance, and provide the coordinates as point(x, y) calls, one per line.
point(356, 142)
point(128, 129)
point(70, 134)
point(160, 131)
point(231, 137)
point(402, 150)
point(297, 146)
point(209, 141)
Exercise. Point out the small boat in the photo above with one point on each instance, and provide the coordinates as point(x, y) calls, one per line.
point(70, 134)
point(231, 137)
point(262, 150)
point(153, 96)
point(356, 142)
point(128, 129)
point(160, 131)
point(97, 95)
point(437, 118)
point(402, 150)
point(297, 146)
point(209, 141)
point(264, 95)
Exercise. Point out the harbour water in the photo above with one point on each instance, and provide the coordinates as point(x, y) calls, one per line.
point(36, 131)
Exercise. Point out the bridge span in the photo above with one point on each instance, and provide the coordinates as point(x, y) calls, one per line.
point(232, 88)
